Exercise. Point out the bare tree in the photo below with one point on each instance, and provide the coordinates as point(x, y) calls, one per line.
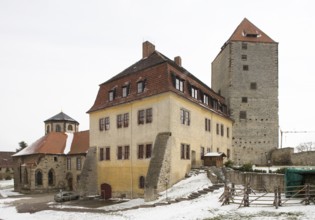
point(304, 147)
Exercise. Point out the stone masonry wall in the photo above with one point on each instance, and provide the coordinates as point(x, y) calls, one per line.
point(159, 168)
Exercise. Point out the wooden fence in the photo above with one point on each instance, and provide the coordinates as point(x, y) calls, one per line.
point(245, 196)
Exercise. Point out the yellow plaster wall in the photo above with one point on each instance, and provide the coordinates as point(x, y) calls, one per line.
point(123, 175)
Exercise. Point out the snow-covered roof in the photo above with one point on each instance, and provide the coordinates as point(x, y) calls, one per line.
point(215, 154)
point(61, 117)
point(58, 143)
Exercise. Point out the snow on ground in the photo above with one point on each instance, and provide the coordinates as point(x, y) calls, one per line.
point(204, 207)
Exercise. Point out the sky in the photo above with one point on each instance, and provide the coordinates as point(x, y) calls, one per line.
point(54, 54)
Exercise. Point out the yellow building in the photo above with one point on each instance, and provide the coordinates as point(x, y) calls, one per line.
point(151, 124)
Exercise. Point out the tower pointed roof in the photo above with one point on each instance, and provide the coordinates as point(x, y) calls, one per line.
point(248, 32)
point(61, 117)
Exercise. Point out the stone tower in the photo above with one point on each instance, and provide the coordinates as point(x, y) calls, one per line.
point(245, 72)
point(61, 123)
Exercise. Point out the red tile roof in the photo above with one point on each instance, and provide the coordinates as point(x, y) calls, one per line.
point(55, 143)
point(248, 32)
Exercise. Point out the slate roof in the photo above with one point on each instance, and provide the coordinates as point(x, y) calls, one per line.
point(155, 59)
point(248, 32)
point(61, 117)
point(56, 143)
point(6, 159)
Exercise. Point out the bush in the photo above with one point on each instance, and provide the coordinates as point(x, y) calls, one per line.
point(281, 170)
point(247, 167)
point(229, 164)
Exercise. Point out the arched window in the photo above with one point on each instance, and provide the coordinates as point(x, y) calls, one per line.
point(141, 182)
point(38, 178)
point(25, 176)
point(70, 128)
point(47, 129)
point(51, 177)
point(58, 128)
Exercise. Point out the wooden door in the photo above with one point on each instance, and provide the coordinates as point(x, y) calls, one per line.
point(106, 191)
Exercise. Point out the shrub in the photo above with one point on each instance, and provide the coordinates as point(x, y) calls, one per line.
point(229, 164)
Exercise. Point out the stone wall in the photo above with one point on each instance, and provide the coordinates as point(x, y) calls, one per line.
point(257, 181)
point(257, 132)
point(158, 174)
point(88, 178)
point(286, 156)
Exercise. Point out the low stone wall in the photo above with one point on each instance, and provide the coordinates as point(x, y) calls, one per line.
point(257, 181)
point(286, 156)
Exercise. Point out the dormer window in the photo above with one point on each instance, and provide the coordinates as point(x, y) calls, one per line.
point(179, 84)
point(140, 87)
point(206, 99)
point(194, 92)
point(111, 95)
point(125, 91)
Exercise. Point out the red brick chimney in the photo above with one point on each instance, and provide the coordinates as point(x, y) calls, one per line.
point(178, 60)
point(147, 49)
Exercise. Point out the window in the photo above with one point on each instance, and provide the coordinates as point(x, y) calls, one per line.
point(253, 85)
point(228, 154)
point(243, 115)
point(101, 154)
point(119, 153)
point(140, 151)
point(179, 84)
point(194, 92)
point(125, 91)
point(208, 150)
point(140, 86)
point(38, 178)
point(207, 124)
point(218, 129)
point(244, 46)
point(107, 153)
point(227, 132)
point(148, 115)
point(48, 129)
point(185, 151)
point(244, 99)
point(218, 149)
point(148, 150)
point(141, 182)
point(244, 57)
point(202, 152)
point(145, 114)
point(119, 121)
point(55, 159)
point(245, 67)
point(126, 153)
point(222, 130)
point(25, 176)
point(101, 124)
point(184, 117)
point(70, 128)
point(126, 120)
point(78, 178)
point(51, 178)
point(123, 153)
point(141, 117)
point(58, 128)
point(215, 104)
point(107, 123)
point(78, 163)
point(206, 99)
point(111, 95)
point(68, 163)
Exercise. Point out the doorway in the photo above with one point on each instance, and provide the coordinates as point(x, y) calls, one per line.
point(106, 191)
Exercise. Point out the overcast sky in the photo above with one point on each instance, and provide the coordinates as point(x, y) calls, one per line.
point(54, 54)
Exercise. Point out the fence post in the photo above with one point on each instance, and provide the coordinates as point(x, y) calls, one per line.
point(276, 201)
point(279, 196)
point(246, 195)
point(233, 190)
point(307, 194)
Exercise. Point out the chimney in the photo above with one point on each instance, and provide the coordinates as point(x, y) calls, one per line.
point(178, 60)
point(147, 49)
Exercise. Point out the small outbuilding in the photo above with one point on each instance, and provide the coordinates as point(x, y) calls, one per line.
point(214, 159)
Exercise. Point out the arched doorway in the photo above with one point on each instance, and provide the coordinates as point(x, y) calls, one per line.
point(106, 191)
point(69, 179)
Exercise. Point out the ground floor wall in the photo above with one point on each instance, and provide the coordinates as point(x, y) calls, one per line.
point(44, 173)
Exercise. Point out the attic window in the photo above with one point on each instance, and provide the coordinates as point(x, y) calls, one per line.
point(251, 34)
